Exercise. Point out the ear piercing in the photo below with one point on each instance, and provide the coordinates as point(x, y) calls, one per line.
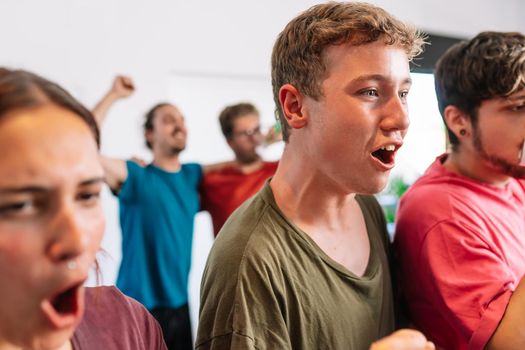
point(462, 132)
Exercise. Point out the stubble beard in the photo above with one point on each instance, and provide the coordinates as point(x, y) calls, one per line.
point(502, 165)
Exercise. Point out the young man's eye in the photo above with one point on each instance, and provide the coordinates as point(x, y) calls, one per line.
point(369, 93)
point(403, 94)
point(517, 108)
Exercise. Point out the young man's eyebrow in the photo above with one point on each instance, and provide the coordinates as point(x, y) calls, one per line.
point(377, 77)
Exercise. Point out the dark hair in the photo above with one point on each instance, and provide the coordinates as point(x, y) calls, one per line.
point(492, 64)
point(21, 89)
point(231, 113)
point(297, 56)
point(148, 119)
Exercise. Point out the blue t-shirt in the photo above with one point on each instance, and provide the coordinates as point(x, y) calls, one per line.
point(157, 210)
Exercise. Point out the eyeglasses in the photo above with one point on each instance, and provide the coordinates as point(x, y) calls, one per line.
point(247, 133)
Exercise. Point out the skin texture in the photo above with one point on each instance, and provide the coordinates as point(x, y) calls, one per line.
point(50, 217)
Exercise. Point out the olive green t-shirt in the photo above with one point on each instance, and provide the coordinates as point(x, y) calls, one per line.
point(268, 285)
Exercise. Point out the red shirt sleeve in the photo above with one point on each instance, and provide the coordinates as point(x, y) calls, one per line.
point(469, 283)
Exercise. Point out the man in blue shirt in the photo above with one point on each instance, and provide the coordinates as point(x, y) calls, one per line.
point(158, 203)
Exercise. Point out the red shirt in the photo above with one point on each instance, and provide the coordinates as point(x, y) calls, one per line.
point(461, 249)
point(225, 189)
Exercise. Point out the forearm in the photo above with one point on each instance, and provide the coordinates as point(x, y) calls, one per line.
point(101, 109)
point(510, 333)
point(115, 172)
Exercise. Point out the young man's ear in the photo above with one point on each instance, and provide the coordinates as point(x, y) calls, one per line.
point(292, 104)
point(148, 135)
point(458, 121)
point(229, 141)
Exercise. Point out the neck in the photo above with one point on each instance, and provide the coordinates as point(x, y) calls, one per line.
point(302, 200)
point(248, 167)
point(473, 166)
point(169, 163)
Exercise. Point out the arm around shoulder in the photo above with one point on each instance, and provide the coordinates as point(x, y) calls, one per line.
point(115, 172)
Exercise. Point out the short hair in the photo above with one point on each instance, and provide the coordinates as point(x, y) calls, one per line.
point(492, 64)
point(230, 113)
point(21, 89)
point(148, 119)
point(297, 56)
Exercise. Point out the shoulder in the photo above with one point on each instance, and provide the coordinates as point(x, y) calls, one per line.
point(373, 213)
point(432, 195)
point(243, 274)
point(135, 171)
point(433, 204)
point(218, 167)
point(113, 319)
point(242, 228)
point(370, 206)
point(253, 236)
point(375, 218)
point(134, 166)
point(271, 165)
point(192, 169)
point(99, 298)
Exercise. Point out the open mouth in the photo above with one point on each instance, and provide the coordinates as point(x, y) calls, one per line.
point(66, 302)
point(64, 308)
point(385, 154)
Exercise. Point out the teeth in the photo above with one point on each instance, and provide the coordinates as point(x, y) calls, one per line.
point(388, 148)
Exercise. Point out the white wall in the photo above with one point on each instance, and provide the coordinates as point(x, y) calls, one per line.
point(168, 47)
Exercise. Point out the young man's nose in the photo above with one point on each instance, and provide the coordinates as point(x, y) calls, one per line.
point(395, 115)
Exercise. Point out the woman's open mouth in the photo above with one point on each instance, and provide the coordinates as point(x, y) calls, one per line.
point(65, 308)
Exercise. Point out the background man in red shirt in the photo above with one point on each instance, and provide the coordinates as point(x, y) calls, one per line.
point(227, 185)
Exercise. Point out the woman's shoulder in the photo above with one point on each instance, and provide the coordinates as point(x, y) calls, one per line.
point(115, 321)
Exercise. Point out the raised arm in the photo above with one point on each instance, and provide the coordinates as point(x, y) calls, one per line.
point(115, 169)
point(122, 87)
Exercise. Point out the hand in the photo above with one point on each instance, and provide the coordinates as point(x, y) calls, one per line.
point(404, 339)
point(122, 86)
point(139, 161)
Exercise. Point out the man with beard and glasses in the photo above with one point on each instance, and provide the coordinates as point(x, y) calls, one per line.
point(226, 187)
point(158, 203)
point(460, 234)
